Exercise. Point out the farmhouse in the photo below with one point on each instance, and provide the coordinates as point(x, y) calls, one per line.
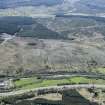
point(5, 84)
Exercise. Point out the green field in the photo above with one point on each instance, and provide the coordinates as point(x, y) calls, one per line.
point(33, 82)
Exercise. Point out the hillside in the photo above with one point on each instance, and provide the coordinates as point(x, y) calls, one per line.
point(51, 7)
point(28, 55)
point(64, 43)
point(52, 52)
point(16, 3)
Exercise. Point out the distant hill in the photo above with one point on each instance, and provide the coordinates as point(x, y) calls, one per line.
point(34, 7)
point(15, 3)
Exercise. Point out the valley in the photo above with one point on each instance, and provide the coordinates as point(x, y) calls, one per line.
point(52, 52)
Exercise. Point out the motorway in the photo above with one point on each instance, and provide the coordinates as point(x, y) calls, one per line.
point(52, 88)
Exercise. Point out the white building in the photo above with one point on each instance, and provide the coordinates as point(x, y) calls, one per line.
point(6, 84)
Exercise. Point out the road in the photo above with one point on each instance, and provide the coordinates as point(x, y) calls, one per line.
point(53, 88)
point(59, 76)
point(6, 37)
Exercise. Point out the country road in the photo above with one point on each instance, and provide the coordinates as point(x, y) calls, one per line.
point(52, 88)
point(6, 37)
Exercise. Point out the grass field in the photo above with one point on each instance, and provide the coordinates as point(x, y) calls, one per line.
point(33, 82)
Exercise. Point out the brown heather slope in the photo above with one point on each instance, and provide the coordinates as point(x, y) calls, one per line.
point(29, 55)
